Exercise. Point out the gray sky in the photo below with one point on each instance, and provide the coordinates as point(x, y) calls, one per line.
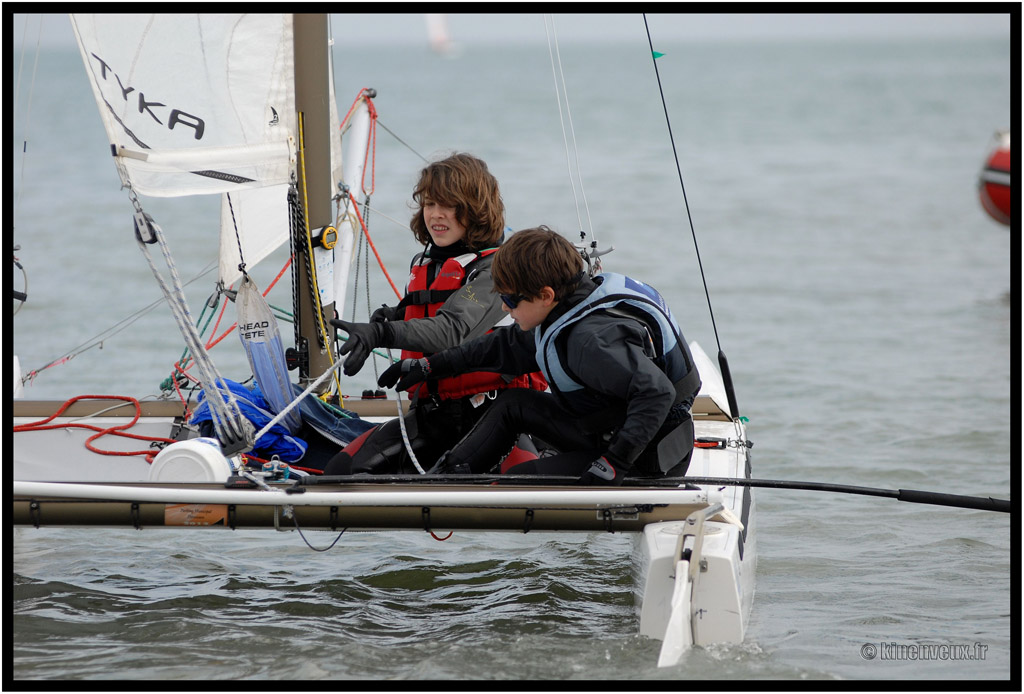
point(519, 28)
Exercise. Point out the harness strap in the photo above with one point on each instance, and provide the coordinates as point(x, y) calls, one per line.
point(425, 296)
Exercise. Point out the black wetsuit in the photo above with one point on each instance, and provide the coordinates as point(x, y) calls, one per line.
point(626, 408)
point(434, 426)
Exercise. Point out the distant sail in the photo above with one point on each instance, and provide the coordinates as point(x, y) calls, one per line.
point(437, 31)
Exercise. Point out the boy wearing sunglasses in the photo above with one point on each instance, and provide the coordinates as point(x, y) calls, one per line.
point(621, 375)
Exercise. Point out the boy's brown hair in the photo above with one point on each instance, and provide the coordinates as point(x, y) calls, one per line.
point(536, 258)
point(463, 182)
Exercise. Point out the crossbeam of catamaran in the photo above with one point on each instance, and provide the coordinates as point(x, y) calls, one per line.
point(983, 503)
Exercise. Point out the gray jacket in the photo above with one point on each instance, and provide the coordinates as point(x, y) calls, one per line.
point(465, 315)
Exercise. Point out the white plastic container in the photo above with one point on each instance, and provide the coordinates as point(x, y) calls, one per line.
point(195, 460)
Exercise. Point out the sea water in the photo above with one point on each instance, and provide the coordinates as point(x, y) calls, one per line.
point(859, 290)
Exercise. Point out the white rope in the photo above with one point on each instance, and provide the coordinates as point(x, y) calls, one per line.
point(295, 403)
point(227, 416)
point(323, 377)
point(401, 225)
point(560, 94)
point(28, 110)
point(405, 434)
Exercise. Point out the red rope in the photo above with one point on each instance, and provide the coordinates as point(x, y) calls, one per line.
point(372, 112)
point(118, 430)
point(266, 291)
point(177, 389)
point(220, 316)
point(310, 470)
point(352, 108)
point(370, 162)
point(368, 159)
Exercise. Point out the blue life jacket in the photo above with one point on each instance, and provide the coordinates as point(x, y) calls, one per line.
point(622, 295)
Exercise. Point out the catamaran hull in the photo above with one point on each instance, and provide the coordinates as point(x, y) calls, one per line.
point(695, 583)
point(694, 550)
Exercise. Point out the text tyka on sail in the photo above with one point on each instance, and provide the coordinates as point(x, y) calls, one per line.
point(175, 117)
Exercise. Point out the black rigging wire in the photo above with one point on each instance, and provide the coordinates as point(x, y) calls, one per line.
point(238, 238)
point(726, 375)
point(401, 141)
point(682, 185)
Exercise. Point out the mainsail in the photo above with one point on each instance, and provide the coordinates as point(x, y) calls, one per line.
point(207, 104)
point(203, 104)
point(194, 103)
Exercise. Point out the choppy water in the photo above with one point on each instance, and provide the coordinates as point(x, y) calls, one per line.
point(862, 295)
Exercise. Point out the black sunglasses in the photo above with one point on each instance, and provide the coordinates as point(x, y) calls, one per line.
point(512, 300)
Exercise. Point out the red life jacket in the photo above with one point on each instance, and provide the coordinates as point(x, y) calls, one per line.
point(422, 301)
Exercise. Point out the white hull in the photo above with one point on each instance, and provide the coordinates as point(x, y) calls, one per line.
point(696, 580)
point(694, 565)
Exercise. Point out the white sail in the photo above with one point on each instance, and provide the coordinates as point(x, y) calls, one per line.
point(256, 220)
point(437, 32)
point(260, 217)
point(204, 104)
point(357, 136)
point(194, 103)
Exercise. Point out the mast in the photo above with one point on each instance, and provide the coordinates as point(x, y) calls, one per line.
point(312, 102)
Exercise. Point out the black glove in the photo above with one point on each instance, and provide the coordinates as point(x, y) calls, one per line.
point(405, 373)
point(387, 313)
point(362, 339)
point(602, 473)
